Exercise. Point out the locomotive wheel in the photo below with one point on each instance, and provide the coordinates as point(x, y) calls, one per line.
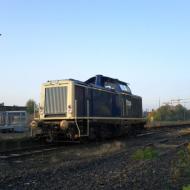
point(50, 138)
point(71, 132)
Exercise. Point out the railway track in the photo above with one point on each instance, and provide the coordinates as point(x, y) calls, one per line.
point(33, 150)
point(27, 152)
point(42, 149)
point(149, 137)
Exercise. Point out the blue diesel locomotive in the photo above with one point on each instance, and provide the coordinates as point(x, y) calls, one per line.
point(101, 107)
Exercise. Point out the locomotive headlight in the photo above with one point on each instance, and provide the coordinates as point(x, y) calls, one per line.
point(69, 109)
point(64, 125)
point(33, 124)
point(41, 109)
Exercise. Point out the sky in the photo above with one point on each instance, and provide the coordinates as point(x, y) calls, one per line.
point(143, 42)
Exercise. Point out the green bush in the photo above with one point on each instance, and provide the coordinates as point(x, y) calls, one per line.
point(186, 187)
point(145, 154)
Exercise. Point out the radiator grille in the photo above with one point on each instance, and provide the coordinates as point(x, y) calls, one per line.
point(56, 100)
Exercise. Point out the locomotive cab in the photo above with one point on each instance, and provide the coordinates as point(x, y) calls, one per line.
point(109, 83)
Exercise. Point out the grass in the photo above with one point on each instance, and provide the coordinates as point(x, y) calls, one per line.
point(181, 166)
point(148, 153)
point(186, 187)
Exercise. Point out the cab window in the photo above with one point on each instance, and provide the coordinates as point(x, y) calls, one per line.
point(110, 85)
point(125, 88)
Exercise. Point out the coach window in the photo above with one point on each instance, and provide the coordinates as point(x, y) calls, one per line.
point(22, 117)
point(2, 118)
point(13, 118)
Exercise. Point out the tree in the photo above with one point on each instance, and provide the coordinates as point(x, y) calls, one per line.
point(170, 113)
point(31, 106)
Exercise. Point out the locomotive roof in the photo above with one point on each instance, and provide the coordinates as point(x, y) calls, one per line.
point(107, 79)
point(92, 78)
point(100, 81)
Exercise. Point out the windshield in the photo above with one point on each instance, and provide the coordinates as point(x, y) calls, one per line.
point(125, 88)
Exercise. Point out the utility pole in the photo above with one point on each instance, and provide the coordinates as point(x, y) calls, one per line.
point(184, 111)
point(159, 102)
point(34, 111)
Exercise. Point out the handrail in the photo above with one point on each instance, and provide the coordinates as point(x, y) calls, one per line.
point(76, 118)
point(88, 114)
